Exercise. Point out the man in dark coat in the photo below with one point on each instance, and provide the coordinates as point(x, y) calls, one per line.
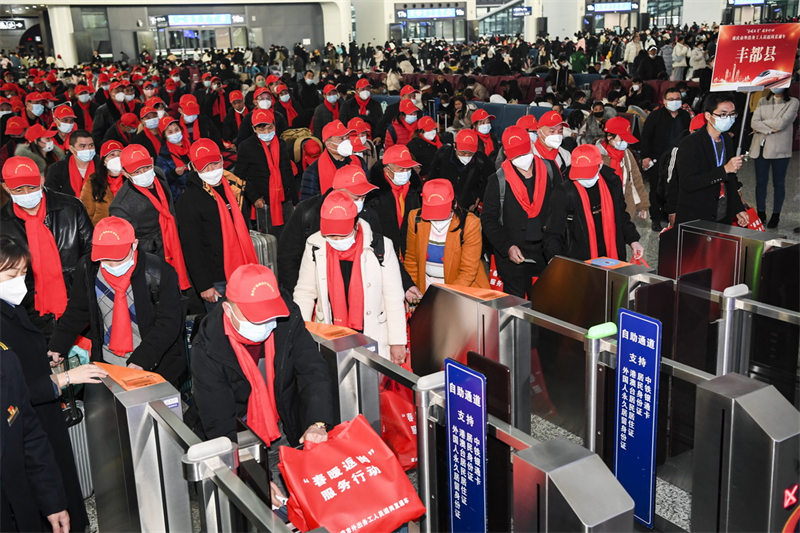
point(156, 317)
point(109, 113)
point(32, 493)
point(82, 160)
point(362, 105)
point(467, 168)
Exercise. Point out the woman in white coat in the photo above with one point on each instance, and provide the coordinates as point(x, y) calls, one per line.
point(350, 278)
point(772, 146)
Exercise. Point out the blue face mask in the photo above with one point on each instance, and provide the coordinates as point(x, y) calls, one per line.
point(723, 124)
point(37, 109)
point(266, 137)
point(118, 270)
point(85, 155)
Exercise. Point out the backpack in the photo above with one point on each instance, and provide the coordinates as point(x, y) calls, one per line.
point(294, 138)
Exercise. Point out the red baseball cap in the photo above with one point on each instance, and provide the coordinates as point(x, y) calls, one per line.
point(262, 116)
point(467, 140)
point(47, 95)
point(170, 85)
point(426, 123)
point(621, 126)
point(63, 111)
point(19, 170)
point(202, 152)
point(154, 101)
point(235, 95)
point(551, 119)
point(437, 199)
point(335, 128)
point(528, 122)
point(516, 142)
point(206, 76)
point(481, 114)
point(399, 154)
point(407, 89)
point(188, 104)
point(51, 77)
point(272, 78)
point(112, 239)
point(586, 161)
point(408, 107)
point(358, 146)
point(33, 97)
point(338, 214)
point(261, 90)
point(352, 179)
point(697, 122)
point(102, 77)
point(280, 88)
point(359, 125)
point(254, 290)
point(15, 126)
point(165, 121)
point(37, 131)
point(328, 88)
point(80, 89)
point(110, 146)
point(145, 110)
point(134, 157)
point(363, 83)
point(130, 120)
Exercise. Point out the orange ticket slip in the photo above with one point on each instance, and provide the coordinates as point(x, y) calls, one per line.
point(328, 331)
point(131, 378)
point(476, 292)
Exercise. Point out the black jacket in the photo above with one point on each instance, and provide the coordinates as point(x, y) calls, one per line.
point(25, 339)
point(309, 182)
point(253, 168)
point(567, 232)
point(700, 179)
point(423, 153)
point(58, 176)
point(159, 314)
point(200, 232)
point(322, 116)
point(309, 96)
point(144, 140)
point(349, 109)
point(303, 385)
point(661, 132)
point(104, 118)
point(469, 181)
point(29, 475)
point(79, 118)
point(246, 127)
point(137, 209)
point(70, 225)
point(230, 131)
point(207, 129)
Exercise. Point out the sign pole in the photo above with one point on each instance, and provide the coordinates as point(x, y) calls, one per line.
point(749, 90)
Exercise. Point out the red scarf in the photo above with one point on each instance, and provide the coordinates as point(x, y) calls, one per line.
point(616, 157)
point(239, 116)
point(291, 114)
point(607, 212)
point(121, 341)
point(220, 107)
point(114, 183)
point(126, 139)
point(169, 232)
point(65, 145)
point(179, 151)
point(326, 169)
point(262, 412)
point(362, 105)
point(236, 244)
point(88, 121)
point(488, 143)
point(400, 192)
point(347, 312)
point(195, 130)
point(544, 151)
point(332, 108)
point(48, 279)
point(436, 141)
point(76, 181)
point(153, 139)
point(275, 185)
point(521, 191)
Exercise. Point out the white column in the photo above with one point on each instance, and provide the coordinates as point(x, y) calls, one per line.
point(530, 21)
point(336, 20)
point(563, 17)
point(62, 31)
point(372, 20)
point(701, 11)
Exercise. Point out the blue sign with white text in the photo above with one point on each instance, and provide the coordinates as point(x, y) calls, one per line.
point(638, 364)
point(466, 446)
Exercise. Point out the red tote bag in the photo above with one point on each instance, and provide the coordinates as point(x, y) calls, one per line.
point(399, 422)
point(352, 482)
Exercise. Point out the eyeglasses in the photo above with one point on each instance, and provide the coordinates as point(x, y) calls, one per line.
point(731, 115)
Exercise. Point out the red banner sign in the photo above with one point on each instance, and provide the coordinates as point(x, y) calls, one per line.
point(755, 55)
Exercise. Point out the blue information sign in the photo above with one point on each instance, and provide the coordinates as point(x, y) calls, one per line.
point(521, 11)
point(466, 446)
point(638, 364)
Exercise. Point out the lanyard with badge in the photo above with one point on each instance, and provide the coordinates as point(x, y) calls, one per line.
point(720, 159)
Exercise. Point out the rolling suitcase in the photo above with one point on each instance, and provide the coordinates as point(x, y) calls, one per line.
point(266, 246)
point(80, 451)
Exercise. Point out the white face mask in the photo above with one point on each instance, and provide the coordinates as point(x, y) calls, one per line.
point(189, 118)
point(332, 98)
point(151, 123)
point(114, 166)
point(175, 138)
point(635, 87)
point(48, 147)
point(309, 81)
point(523, 162)
point(85, 155)
point(410, 119)
point(256, 332)
point(620, 145)
point(532, 135)
point(160, 113)
point(363, 94)
point(441, 225)
point(37, 109)
point(206, 83)
point(212, 177)
point(65, 127)
point(723, 124)
point(465, 159)
point(342, 245)
point(589, 183)
point(4, 113)
point(265, 103)
point(84, 98)
point(430, 135)
point(13, 290)
point(176, 79)
point(266, 137)
point(364, 139)
point(359, 204)
point(214, 87)
point(553, 141)
point(401, 177)
point(119, 97)
point(345, 148)
point(118, 270)
point(673, 105)
point(128, 97)
point(285, 98)
point(484, 129)
point(145, 179)
point(105, 87)
point(29, 200)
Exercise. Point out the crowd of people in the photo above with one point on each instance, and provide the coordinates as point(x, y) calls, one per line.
point(131, 195)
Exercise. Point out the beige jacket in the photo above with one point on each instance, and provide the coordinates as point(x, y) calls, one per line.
point(636, 195)
point(773, 115)
point(384, 308)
